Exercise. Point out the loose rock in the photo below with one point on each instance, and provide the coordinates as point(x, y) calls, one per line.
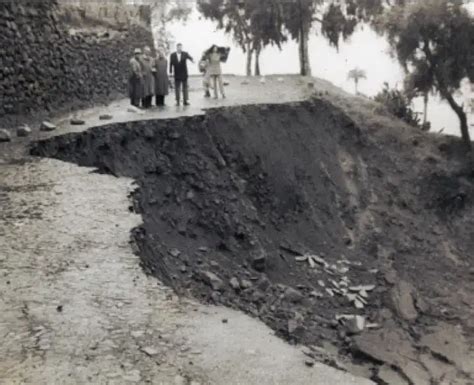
point(293, 295)
point(77, 122)
point(5, 136)
point(150, 351)
point(234, 284)
point(23, 131)
point(47, 126)
point(212, 280)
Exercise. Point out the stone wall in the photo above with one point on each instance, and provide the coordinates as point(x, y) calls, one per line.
point(43, 65)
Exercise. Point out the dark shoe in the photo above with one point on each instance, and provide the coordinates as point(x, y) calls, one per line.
point(207, 94)
point(186, 103)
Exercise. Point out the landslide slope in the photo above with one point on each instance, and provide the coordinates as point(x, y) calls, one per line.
point(234, 202)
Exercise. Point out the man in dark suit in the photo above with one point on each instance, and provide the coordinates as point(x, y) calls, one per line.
point(179, 67)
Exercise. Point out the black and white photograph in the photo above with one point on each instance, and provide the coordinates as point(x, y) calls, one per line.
point(236, 192)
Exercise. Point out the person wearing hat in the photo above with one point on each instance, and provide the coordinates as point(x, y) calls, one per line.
point(148, 78)
point(135, 79)
point(161, 78)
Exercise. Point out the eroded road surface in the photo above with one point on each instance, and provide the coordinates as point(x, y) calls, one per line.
point(76, 308)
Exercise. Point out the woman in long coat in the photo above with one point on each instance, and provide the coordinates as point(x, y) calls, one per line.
point(161, 79)
point(214, 70)
point(148, 77)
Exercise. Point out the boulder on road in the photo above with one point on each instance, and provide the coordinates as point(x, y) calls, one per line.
point(47, 126)
point(5, 136)
point(23, 131)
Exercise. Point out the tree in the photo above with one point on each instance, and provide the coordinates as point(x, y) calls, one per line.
point(252, 24)
point(356, 74)
point(434, 42)
point(160, 13)
point(336, 18)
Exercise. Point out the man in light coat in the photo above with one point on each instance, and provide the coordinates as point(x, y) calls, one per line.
point(135, 79)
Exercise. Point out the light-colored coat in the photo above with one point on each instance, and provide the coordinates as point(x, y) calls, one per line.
point(135, 88)
point(214, 67)
point(148, 77)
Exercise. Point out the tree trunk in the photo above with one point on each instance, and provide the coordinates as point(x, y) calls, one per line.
point(257, 61)
point(356, 81)
point(425, 108)
point(462, 118)
point(305, 67)
point(249, 60)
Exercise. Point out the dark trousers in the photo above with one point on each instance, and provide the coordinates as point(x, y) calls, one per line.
point(181, 84)
point(160, 100)
point(135, 102)
point(146, 101)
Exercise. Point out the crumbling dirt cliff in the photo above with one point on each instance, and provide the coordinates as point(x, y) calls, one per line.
point(325, 230)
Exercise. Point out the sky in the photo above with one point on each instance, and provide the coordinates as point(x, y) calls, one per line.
point(365, 50)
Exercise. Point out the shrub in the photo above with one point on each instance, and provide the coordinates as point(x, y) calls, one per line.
point(398, 104)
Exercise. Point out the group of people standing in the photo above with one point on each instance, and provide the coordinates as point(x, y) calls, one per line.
point(149, 75)
point(148, 78)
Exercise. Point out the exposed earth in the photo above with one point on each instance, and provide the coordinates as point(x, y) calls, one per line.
point(341, 228)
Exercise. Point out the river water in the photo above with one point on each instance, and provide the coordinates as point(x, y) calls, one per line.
point(365, 50)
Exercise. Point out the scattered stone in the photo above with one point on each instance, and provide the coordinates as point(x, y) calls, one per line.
point(362, 288)
point(280, 80)
point(149, 351)
point(225, 320)
point(262, 80)
point(137, 333)
point(307, 352)
point(47, 126)
point(259, 260)
point(354, 324)
point(105, 117)
point(5, 136)
point(244, 82)
point(134, 110)
point(309, 363)
point(316, 294)
point(292, 326)
point(403, 300)
point(213, 280)
point(264, 283)
point(293, 295)
point(59, 308)
point(234, 283)
point(245, 284)
point(23, 131)
point(330, 292)
point(77, 122)
point(312, 260)
point(174, 253)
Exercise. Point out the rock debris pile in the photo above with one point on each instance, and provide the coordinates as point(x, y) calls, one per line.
point(293, 214)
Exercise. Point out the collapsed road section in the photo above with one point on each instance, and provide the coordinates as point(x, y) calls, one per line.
point(296, 215)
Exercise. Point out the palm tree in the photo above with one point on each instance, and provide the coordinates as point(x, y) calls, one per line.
point(356, 74)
